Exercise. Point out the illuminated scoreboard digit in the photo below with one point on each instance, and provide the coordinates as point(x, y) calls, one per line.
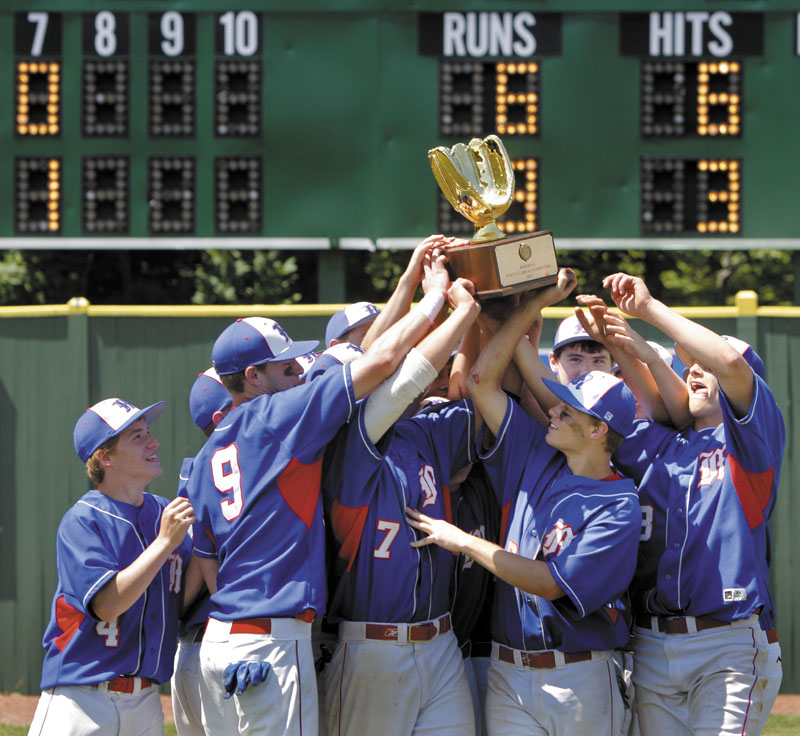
point(691, 196)
point(37, 42)
point(37, 195)
point(690, 87)
point(681, 98)
point(196, 120)
point(490, 82)
point(511, 106)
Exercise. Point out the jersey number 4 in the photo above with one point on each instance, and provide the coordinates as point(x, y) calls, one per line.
point(228, 479)
point(110, 631)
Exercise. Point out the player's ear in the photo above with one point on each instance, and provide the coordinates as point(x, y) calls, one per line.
point(218, 416)
point(598, 431)
point(104, 458)
point(251, 374)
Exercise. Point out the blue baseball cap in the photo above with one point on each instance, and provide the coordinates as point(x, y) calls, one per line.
point(570, 330)
point(600, 395)
point(352, 316)
point(339, 354)
point(106, 419)
point(206, 397)
point(743, 348)
point(253, 341)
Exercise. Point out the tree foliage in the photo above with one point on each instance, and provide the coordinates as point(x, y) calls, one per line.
point(678, 277)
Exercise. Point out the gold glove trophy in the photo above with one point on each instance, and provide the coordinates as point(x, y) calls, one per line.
point(478, 180)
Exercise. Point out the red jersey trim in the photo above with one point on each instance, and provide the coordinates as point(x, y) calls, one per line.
point(299, 486)
point(347, 524)
point(68, 619)
point(754, 490)
point(448, 514)
point(504, 524)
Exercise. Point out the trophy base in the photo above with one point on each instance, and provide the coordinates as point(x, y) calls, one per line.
point(502, 267)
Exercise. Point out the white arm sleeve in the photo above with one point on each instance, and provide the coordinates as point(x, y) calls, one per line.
point(386, 405)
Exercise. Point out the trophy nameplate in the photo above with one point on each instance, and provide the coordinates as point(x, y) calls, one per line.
point(506, 266)
point(478, 181)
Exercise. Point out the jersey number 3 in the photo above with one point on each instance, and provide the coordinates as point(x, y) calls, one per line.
point(228, 479)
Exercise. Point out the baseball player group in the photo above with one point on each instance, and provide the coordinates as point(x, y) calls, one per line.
point(427, 528)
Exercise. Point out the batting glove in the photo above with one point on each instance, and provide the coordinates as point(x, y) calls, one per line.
point(236, 677)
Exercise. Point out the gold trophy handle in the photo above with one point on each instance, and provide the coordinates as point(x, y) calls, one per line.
point(478, 181)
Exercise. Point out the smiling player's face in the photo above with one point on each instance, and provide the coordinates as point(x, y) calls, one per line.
point(574, 361)
point(703, 394)
point(135, 456)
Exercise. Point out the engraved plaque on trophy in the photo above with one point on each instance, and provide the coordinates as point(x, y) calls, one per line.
point(478, 180)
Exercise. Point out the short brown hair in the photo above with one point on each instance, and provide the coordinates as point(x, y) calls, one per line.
point(613, 439)
point(587, 346)
point(93, 468)
point(234, 382)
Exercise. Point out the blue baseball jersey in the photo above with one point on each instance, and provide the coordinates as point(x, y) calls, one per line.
point(97, 538)
point(585, 530)
point(706, 496)
point(378, 576)
point(255, 489)
point(197, 613)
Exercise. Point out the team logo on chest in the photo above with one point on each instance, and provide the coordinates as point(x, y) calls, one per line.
point(427, 484)
point(712, 466)
point(558, 538)
point(175, 572)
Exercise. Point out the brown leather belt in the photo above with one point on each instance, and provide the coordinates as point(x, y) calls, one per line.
point(416, 632)
point(264, 625)
point(541, 660)
point(125, 684)
point(680, 624)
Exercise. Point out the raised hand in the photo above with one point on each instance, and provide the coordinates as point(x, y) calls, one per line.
point(549, 295)
point(177, 517)
point(461, 291)
point(435, 276)
point(629, 293)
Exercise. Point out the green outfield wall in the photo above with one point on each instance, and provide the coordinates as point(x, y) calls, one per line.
point(59, 360)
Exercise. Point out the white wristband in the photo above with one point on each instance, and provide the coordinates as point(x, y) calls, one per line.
point(431, 304)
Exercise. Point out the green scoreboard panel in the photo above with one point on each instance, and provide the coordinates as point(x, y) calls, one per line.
point(203, 124)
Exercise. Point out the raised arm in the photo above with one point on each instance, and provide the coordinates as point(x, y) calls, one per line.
point(388, 350)
point(423, 363)
point(400, 301)
point(636, 360)
point(732, 371)
point(485, 382)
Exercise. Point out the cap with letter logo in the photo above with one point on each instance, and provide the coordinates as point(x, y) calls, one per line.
point(106, 419)
point(352, 316)
point(570, 330)
point(600, 395)
point(253, 341)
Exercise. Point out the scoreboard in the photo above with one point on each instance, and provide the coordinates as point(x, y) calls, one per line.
point(212, 125)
